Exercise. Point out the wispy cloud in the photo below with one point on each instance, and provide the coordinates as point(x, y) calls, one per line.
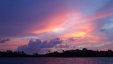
point(4, 40)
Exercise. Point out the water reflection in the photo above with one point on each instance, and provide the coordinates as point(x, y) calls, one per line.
point(71, 61)
point(56, 60)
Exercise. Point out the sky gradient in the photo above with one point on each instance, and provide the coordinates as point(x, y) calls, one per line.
point(42, 25)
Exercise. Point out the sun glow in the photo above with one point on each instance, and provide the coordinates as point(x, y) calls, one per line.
point(58, 30)
point(75, 34)
point(79, 34)
point(69, 24)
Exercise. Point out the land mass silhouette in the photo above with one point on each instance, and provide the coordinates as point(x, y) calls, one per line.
point(68, 53)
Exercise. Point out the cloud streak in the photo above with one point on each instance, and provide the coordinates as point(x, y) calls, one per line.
point(4, 40)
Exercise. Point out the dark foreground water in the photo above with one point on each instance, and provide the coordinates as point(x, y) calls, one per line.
point(56, 60)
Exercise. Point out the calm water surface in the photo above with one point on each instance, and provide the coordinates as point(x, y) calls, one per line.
point(56, 60)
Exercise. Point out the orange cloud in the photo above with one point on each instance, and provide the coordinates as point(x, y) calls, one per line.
point(72, 23)
point(54, 22)
point(74, 34)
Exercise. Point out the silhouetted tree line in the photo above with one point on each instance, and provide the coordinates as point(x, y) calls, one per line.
point(68, 53)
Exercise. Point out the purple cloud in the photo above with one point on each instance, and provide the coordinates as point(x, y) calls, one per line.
point(4, 40)
point(39, 46)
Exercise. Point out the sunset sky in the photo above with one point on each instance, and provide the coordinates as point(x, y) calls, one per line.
point(54, 25)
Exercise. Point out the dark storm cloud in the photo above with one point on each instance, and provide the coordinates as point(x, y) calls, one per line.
point(39, 46)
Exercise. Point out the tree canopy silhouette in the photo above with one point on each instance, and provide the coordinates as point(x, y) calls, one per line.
point(68, 53)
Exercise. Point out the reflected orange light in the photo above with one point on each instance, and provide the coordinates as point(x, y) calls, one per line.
point(75, 34)
point(54, 22)
point(71, 24)
point(43, 30)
